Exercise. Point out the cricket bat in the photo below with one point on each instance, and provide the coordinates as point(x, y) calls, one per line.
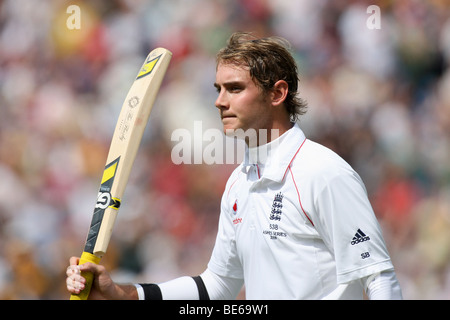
point(125, 142)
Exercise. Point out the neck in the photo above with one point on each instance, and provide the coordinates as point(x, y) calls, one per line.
point(268, 134)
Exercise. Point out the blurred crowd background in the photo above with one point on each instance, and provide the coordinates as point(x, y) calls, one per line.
point(380, 98)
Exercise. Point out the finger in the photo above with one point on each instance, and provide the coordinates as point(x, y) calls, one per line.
point(76, 278)
point(74, 289)
point(74, 260)
point(91, 267)
point(75, 283)
point(72, 270)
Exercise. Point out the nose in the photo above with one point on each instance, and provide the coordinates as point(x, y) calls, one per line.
point(221, 101)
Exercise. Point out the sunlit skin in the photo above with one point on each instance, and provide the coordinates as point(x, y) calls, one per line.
point(243, 104)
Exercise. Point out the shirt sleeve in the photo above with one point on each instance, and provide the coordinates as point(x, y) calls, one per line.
point(346, 222)
point(383, 286)
point(221, 288)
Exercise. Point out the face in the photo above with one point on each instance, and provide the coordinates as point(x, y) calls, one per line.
point(242, 104)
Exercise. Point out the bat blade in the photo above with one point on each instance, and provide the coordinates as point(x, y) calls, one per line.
point(125, 143)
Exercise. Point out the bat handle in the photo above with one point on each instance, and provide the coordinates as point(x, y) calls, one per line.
point(89, 276)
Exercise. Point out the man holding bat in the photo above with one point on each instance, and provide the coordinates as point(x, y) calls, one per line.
point(294, 224)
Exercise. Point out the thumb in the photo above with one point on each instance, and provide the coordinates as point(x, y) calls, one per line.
point(96, 269)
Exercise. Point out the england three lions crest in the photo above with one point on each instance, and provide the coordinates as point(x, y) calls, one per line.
point(277, 206)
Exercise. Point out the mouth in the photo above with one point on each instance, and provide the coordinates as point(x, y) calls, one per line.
point(227, 116)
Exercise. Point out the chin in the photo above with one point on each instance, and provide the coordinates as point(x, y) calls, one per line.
point(228, 130)
point(230, 124)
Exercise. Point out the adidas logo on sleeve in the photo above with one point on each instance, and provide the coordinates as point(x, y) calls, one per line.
point(359, 237)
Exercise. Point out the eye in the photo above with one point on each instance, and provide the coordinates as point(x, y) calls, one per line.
point(235, 89)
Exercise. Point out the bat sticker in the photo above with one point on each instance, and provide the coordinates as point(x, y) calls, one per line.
point(148, 67)
point(104, 200)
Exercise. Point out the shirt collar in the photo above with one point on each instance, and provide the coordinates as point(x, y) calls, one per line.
point(273, 158)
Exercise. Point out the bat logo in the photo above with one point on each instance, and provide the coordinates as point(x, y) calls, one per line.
point(148, 67)
point(125, 123)
point(103, 200)
point(133, 102)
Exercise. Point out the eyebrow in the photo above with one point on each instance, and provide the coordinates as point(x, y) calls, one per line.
point(229, 84)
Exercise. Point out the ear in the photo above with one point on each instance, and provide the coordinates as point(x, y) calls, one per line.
point(279, 92)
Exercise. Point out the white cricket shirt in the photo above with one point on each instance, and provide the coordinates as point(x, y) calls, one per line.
point(297, 224)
